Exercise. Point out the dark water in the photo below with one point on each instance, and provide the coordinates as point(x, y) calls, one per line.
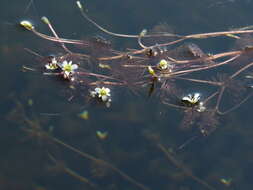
point(137, 126)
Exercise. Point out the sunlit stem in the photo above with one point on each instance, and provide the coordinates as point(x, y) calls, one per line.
point(47, 22)
point(202, 36)
point(204, 67)
point(29, 26)
point(206, 35)
point(60, 40)
point(241, 70)
point(142, 34)
point(79, 5)
point(95, 75)
point(216, 34)
point(85, 16)
point(107, 83)
point(209, 58)
point(28, 68)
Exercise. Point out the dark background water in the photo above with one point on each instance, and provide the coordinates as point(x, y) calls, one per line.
point(134, 126)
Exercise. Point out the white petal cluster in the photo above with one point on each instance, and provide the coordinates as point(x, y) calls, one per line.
point(67, 68)
point(103, 94)
point(53, 65)
point(192, 99)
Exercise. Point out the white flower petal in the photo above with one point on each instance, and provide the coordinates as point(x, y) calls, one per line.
point(64, 63)
point(54, 61)
point(93, 94)
point(104, 98)
point(74, 67)
point(97, 90)
point(47, 66)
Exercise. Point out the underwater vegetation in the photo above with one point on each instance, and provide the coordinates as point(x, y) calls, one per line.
point(200, 90)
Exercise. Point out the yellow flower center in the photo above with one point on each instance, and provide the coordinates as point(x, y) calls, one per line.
point(67, 68)
point(103, 92)
point(163, 64)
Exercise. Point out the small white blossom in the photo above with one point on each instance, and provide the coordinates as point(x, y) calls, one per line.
point(93, 94)
point(53, 65)
point(192, 99)
point(102, 93)
point(68, 69)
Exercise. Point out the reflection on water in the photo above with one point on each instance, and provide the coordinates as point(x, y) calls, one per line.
point(62, 128)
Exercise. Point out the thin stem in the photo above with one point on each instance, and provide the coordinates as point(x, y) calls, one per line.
point(173, 105)
point(200, 81)
point(186, 171)
point(96, 83)
point(92, 158)
point(241, 70)
point(60, 40)
point(47, 22)
point(216, 34)
point(202, 68)
point(234, 107)
point(73, 173)
point(210, 97)
point(219, 98)
point(85, 16)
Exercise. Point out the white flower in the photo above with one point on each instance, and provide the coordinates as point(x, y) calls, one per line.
point(163, 64)
point(103, 93)
point(68, 66)
point(191, 99)
point(68, 69)
point(53, 65)
point(93, 94)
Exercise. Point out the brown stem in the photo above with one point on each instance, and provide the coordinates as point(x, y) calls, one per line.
point(202, 68)
point(186, 171)
point(234, 107)
point(92, 158)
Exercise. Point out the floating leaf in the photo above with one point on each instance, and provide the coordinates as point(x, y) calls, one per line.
point(84, 115)
point(102, 135)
